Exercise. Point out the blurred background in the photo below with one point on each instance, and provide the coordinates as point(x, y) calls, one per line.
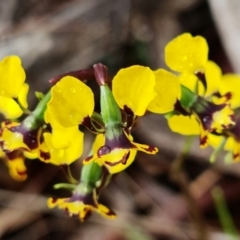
point(57, 36)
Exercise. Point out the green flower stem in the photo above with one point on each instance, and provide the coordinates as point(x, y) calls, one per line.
point(188, 98)
point(36, 118)
point(223, 213)
point(110, 111)
point(39, 111)
point(68, 186)
point(91, 173)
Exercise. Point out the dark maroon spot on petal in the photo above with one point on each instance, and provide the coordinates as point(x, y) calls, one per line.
point(103, 150)
point(122, 161)
point(201, 76)
point(236, 155)
point(45, 155)
point(178, 108)
point(87, 159)
point(22, 173)
point(30, 137)
point(54, 200)
point(93, 126)
point(203, 141)
point(228, 96)
point(130, 117)
point(66, 210)
point(150, 149)
point(110, 213)
point(88, 213)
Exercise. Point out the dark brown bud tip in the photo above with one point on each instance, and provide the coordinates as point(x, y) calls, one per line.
point(101, 74)
point(82, 75)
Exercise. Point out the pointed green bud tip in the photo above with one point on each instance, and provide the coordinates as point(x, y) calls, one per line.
point(110, 111)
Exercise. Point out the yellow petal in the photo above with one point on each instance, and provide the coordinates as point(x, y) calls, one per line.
point(190, 81)
point(9, 108)
point(71, 102)
point(229, 144)
point(213, 75)
point(214, 140)
point(64, 156)
point(231, 83)
point(168, 90)
point(12, 140)
point(17, 169)
point(223, 119)
point(134, 87)
point(187, 53)
point(105, 212)
point(22, 96)
point(98, 142)
point(61, 136)
point(185, 125)
point(31, 155)
point(113, 161)
point(12, 76)
point(113, 157)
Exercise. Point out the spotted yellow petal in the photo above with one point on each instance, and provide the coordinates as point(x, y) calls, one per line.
point(12, 76)
point(134, 87)
point(168, 90)
point(17, 169)
point(9, 108)
point(12, 140)
point(115, 156)
point(22, 96)
point(71, 101)
point(185, 125)
point(231, 83)
point(187, 53)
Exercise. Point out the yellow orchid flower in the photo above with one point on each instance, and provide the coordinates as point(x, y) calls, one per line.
point(82, 203)
point(113, 162)
point(118, 146)
point(188, 55)
point(71, 102)
point(12, 86)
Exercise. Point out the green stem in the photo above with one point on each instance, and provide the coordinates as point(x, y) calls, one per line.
point(223, 213)
point(36, 118)
point(68, 186)
point(39, 111)
point(91, 173)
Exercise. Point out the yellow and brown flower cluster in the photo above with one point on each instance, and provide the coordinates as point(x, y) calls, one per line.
point(196, 98)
